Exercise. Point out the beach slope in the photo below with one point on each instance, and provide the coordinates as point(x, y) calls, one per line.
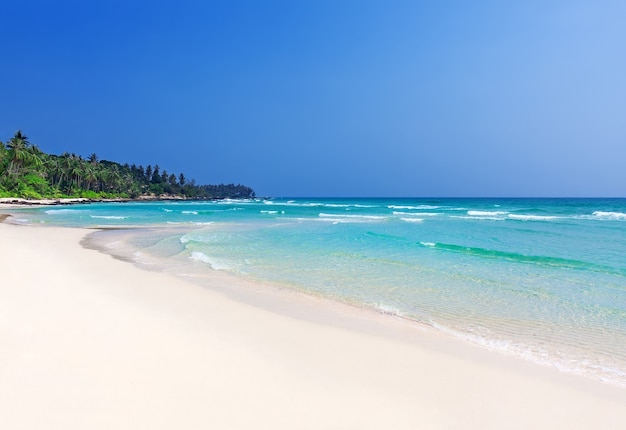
point(88, 341)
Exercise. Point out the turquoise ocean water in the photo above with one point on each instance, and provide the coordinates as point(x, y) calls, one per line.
point(544, 279)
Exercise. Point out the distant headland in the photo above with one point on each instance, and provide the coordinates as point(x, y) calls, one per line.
point(29, 175)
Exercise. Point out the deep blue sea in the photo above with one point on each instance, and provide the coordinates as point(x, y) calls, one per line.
point(544, 279)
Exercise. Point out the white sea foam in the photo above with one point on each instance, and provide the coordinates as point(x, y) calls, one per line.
point(537, 354)
point(610, 215)
point(62, 211)
point(305, 205)
point(487, 213)
point(481, 218)
point(167, 210)
point(272, 212)
point(190, 212)
point(142, 259)
point(332, 220)
point(416, 213)
point(231, 201)
point(212, 262)
point(108, 216)
point(342, 218)
point(532, 217)
point(429, 244)
point(114, 244)
point(481, 337)
point(388, 310)
point(413, 207)
point(412, 219)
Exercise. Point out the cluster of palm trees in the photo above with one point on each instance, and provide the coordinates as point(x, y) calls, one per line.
point(69, 173)
point(20, 153)
point(26, 171)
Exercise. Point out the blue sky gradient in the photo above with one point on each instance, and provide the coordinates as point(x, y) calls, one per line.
point(329, 98)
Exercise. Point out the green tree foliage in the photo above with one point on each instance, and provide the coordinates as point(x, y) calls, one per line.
point(3, 151)
point(27, 172)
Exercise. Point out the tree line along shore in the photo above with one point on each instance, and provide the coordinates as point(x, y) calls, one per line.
point(28, 173)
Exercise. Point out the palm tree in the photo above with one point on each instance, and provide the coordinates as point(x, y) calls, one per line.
point(76, 172)
point(115, 179)
point(103, 179)
point(35, 156)
point(18, 154)
point(90, 175)
point(66, 167)
point(51, 166)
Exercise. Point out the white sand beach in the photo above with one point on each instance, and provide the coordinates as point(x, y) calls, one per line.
point(91, 342)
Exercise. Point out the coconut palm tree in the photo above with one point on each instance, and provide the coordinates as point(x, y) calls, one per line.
point(52, 169)
point(90, 175)
point(76, 172)
point(18, 152)
point(35, 157)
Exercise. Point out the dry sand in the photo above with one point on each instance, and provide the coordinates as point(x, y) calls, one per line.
point(91, 342)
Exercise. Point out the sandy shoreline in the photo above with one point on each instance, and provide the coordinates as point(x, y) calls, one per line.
point(88, 341)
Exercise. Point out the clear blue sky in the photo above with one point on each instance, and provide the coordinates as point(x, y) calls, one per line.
point(329, 98)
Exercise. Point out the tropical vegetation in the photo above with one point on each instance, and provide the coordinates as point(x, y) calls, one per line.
point(28, 172)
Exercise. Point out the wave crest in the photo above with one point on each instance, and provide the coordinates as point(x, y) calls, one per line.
point(610, 215)
point(212, 262)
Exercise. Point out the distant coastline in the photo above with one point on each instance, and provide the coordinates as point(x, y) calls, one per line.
point(19, 201)
point(29, 174)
